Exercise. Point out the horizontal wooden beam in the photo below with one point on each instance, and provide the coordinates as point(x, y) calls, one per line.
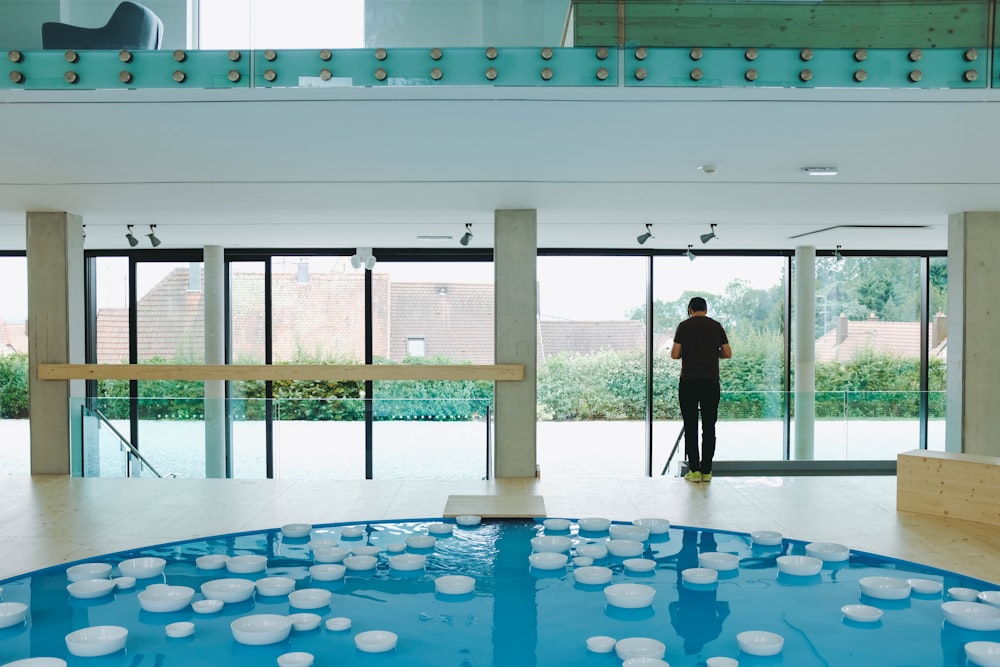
point(356, 372)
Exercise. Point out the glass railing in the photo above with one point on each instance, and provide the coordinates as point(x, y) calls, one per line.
point(595, 43)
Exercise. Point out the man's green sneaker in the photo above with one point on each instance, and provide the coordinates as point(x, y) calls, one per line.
point(693, 476)
point(706, 477)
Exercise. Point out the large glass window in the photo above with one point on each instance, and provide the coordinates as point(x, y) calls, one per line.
point(937, 353)
point(15, 458)
point(249, 405)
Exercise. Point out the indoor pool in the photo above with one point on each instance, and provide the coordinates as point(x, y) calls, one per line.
point(516, 614)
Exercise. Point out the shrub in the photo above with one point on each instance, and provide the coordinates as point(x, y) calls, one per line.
point(14, 386)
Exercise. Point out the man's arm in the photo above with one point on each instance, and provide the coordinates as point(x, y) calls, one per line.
point(675, 351)
point(725, 352)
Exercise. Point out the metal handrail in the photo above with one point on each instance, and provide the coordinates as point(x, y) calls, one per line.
point(131, 448)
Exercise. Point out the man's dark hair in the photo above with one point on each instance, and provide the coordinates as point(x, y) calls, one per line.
point(698, 304)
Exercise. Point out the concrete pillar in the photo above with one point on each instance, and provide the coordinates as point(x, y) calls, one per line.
point(215, 353)
point(54, 245)
point(973, 330)
point(515, 268)
point(804, 299)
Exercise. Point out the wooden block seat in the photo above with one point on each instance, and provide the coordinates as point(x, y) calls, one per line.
point(949, 484)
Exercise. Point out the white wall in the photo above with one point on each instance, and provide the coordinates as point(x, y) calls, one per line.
point(21, 22)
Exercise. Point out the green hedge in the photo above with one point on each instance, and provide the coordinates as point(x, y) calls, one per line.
point(14, 386)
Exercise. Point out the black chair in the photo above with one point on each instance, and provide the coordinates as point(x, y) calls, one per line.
point(131, 26)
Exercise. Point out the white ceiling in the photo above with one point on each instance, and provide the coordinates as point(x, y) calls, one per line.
point(300, 168)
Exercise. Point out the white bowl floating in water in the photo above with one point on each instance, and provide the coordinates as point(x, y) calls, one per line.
point(655, 526)
point(124, 583)
point(548, 560)
point(274, 586)
point(592, 575)
point(247, 564)
point(989, 597)
point(443, 529)
point(593, 524)
point(338, 624)
point(861, 613)
point(592, 550)
point(620, 531)
point(623, 548)
point(206, 606)
point(323, 543)
point(295, 659)
point(304, 621)
point(885, 588)
point(37, 662)
point(420, 541)
point(600, 644)
point(552, 543)
point(88, 571)
point(925, 586)
point(142, 568)
point(639, 564)
point(228, 590)
point(984, 654)
point(799, 566)
point(718, 560)
point(556, 525)
point(629, 596)
point(179, 629)
point(582, 561)
point(327, 572)
point(640, 647)
point(766, 538)
point(645, 661)
point(723, 661)
point(352, 531)
point(395, 547)
point(164, 598)
point(760, 642)
point(261, 629)
point(96, 640)
point(12, 613)
point(310, 598)
point(296, 530)
point(376, 641)
point(408, 562)
point(468, 519)
point(828, 551)
point(91, 588)
point(360, 563)
point(700, 575)
point(211, 562)
point(366, 550)
point(330, 554)
point(454, 584)
point(972, 615)
point(963, 594)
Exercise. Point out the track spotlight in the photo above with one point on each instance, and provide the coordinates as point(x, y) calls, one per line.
point(152, 236)
point(645, 236)
point(690, 255)
point(705, 238)
point(467, 236)
point(363, 257)
point(836, 255)
point(356, 261)
point(132, 241)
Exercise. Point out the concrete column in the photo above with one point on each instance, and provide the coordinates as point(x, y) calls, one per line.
point(515, 268)
point(215, 353)
point(54, 246)
point(973, 331)
point(805, 353)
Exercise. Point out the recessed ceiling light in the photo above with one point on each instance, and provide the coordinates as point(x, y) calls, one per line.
point(820, 171)
point(434, 237)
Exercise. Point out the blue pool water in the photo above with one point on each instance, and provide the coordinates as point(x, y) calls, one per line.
point(517, 616)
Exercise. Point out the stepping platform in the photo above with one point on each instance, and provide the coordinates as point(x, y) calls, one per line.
point(514, 506)
point(960, 486)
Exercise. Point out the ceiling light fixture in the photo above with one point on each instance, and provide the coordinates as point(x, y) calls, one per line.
point(836, 255)
point(708, 169)
point(690, 255)
point(820, 171)
point(132, 240)
point(363, 257)
point(645, 236)
point(152, 236)
point(467, 236)
point(705, 238)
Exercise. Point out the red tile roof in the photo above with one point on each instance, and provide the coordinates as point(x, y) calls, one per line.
point(13, 338)
point(858, 337)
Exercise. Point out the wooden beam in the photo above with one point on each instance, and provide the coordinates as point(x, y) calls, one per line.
point(358, 372)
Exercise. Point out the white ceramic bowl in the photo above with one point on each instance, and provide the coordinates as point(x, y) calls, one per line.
point(624, 548)
point(639, 564)
point(366, 550)
point(600, 644)
point(37, 662)
point(989, 597)
point(551, 543)
point(420, 541)
point(828, 551)
point(88, 571)
point(91, 588)
point(593, 550)
point(619, 531)
point(443, 529)
point(861, 613)
point(296, 530)
point(96, 640)
point(360, 563)
point(407, 562)
point(799, 566)
point(330, 554)
point(766, 538)
point(124, 583)
point(723, 661)
point(984, 654)
point(228, 590)
point(352, 531)
point(261, 629)
point(274, 586)
point(556, 525)
point(207, 606)
point(700, 575)
point(142, 568)
point(247, 564)
point(327, 572)
point(718, 560)
point(454, 584)
point(885, 588)
point(304, 621)
point(594, 524)
point(323, 543)
point(376, 641)
point(179, 629)
point(395, 547)
point(925, 586)
point(548, 560)
point(592, 575)
point(639, 647)
point(295, 659)
point(338, 624)
point(972, 615)
point(211, 562)
point(582, 561)
point(310, 598)
point(629, 596)
point(655, 526)
point(760, 642)
point(12, 613)
point(468, 520)
point(164, 598)
point(645, 661)
point(963, 594)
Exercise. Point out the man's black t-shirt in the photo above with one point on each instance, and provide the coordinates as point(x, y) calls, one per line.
point(700, 338)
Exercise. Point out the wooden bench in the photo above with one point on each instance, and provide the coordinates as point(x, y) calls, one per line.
point(961, 486)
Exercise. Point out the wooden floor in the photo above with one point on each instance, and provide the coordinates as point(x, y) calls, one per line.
point(49, 520)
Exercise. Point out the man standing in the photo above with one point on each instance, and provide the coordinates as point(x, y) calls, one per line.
point(699, 343)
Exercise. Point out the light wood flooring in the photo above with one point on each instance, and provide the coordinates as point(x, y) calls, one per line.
point(49, 520)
